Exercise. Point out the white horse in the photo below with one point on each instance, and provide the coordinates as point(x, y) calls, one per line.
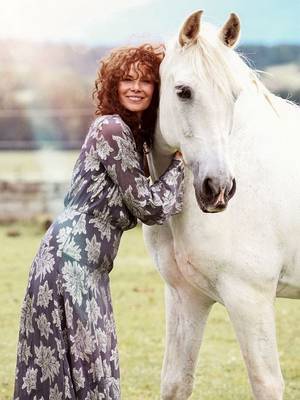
point(230, 129)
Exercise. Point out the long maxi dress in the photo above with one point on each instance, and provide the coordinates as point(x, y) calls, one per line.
point(67, 345)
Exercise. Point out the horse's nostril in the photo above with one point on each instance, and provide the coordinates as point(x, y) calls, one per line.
point(208, 188)
point(233, 188)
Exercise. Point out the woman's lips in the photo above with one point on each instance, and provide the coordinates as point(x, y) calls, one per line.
point(135, 98)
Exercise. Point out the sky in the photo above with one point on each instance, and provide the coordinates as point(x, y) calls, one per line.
point(114, 22)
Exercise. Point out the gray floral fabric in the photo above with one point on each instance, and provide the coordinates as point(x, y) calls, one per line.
point(67, 345)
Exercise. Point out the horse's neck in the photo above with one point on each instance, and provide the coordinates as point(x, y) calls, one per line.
point(256, 111)
point(160, 156)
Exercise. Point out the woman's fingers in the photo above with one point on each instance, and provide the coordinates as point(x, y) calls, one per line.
point(178, 155)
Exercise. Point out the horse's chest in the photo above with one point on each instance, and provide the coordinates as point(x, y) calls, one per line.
point(196, 271)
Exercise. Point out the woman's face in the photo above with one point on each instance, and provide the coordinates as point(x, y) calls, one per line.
point(135, 90)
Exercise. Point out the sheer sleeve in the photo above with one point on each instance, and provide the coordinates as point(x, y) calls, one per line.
point(152, 204)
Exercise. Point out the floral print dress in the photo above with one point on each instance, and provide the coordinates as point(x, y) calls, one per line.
point(67, 345)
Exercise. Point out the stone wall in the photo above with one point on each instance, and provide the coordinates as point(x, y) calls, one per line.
point(25, 200)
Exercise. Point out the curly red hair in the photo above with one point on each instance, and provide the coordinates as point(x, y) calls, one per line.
point(113, 68)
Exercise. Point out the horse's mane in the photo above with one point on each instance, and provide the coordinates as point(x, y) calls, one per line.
point(229, 68)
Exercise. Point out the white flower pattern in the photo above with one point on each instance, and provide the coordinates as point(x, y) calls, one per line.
point(93, 310)
point(24, 352)
point(91, 161)
point(97, 186)
point(67, 388)
point(83, 343)
point(80, 227)
point(29, 380)
point(72, 249)
point(44, 295)
point(78, 378)
point(44, 261)
point(97, 370)
point(69, 314)
point(55, 394)
point(43, 325)
point(103, 149)
point(67, 340)
point(93, 249)
point(46, 360)
point(26, 320)
point(74, 275)
point(57, 315)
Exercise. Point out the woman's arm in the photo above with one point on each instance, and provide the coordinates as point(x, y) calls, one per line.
point(152, 204)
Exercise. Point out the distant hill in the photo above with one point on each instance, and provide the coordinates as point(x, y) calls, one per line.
point(264, 56)
point(45, 89)
point(83, 60)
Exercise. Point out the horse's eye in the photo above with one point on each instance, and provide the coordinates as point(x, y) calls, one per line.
point(184, 92)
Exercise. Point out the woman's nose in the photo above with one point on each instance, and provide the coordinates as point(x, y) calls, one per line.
point(135, 85)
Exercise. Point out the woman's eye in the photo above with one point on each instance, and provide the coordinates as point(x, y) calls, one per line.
point(183, 92)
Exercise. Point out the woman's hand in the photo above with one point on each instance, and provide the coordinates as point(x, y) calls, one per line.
point(178, 156)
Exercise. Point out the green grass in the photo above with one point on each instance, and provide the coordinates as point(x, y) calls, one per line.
point(137, 292)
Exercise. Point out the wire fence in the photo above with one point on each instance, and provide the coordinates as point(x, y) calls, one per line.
point(47, 112)
point(8, 145)
point(43, 122)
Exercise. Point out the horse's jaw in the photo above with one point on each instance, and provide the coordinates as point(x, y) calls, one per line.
point(209, 201)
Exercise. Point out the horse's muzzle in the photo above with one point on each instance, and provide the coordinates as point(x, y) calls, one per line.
point(212, 197)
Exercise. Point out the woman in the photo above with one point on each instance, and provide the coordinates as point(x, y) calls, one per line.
point(67, 343)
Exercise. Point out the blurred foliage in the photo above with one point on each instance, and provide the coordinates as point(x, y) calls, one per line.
point(46, 89)
point(45, 92)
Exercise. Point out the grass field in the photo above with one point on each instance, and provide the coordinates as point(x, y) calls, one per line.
point(139, 311)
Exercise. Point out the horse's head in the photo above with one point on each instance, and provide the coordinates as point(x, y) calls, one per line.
point(200, 79)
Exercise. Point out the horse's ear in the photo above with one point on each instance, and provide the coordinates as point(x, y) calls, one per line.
point(230, 32)
point(190, 30)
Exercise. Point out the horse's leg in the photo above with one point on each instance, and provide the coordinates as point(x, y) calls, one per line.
point(252, 315)
point(186, 314)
